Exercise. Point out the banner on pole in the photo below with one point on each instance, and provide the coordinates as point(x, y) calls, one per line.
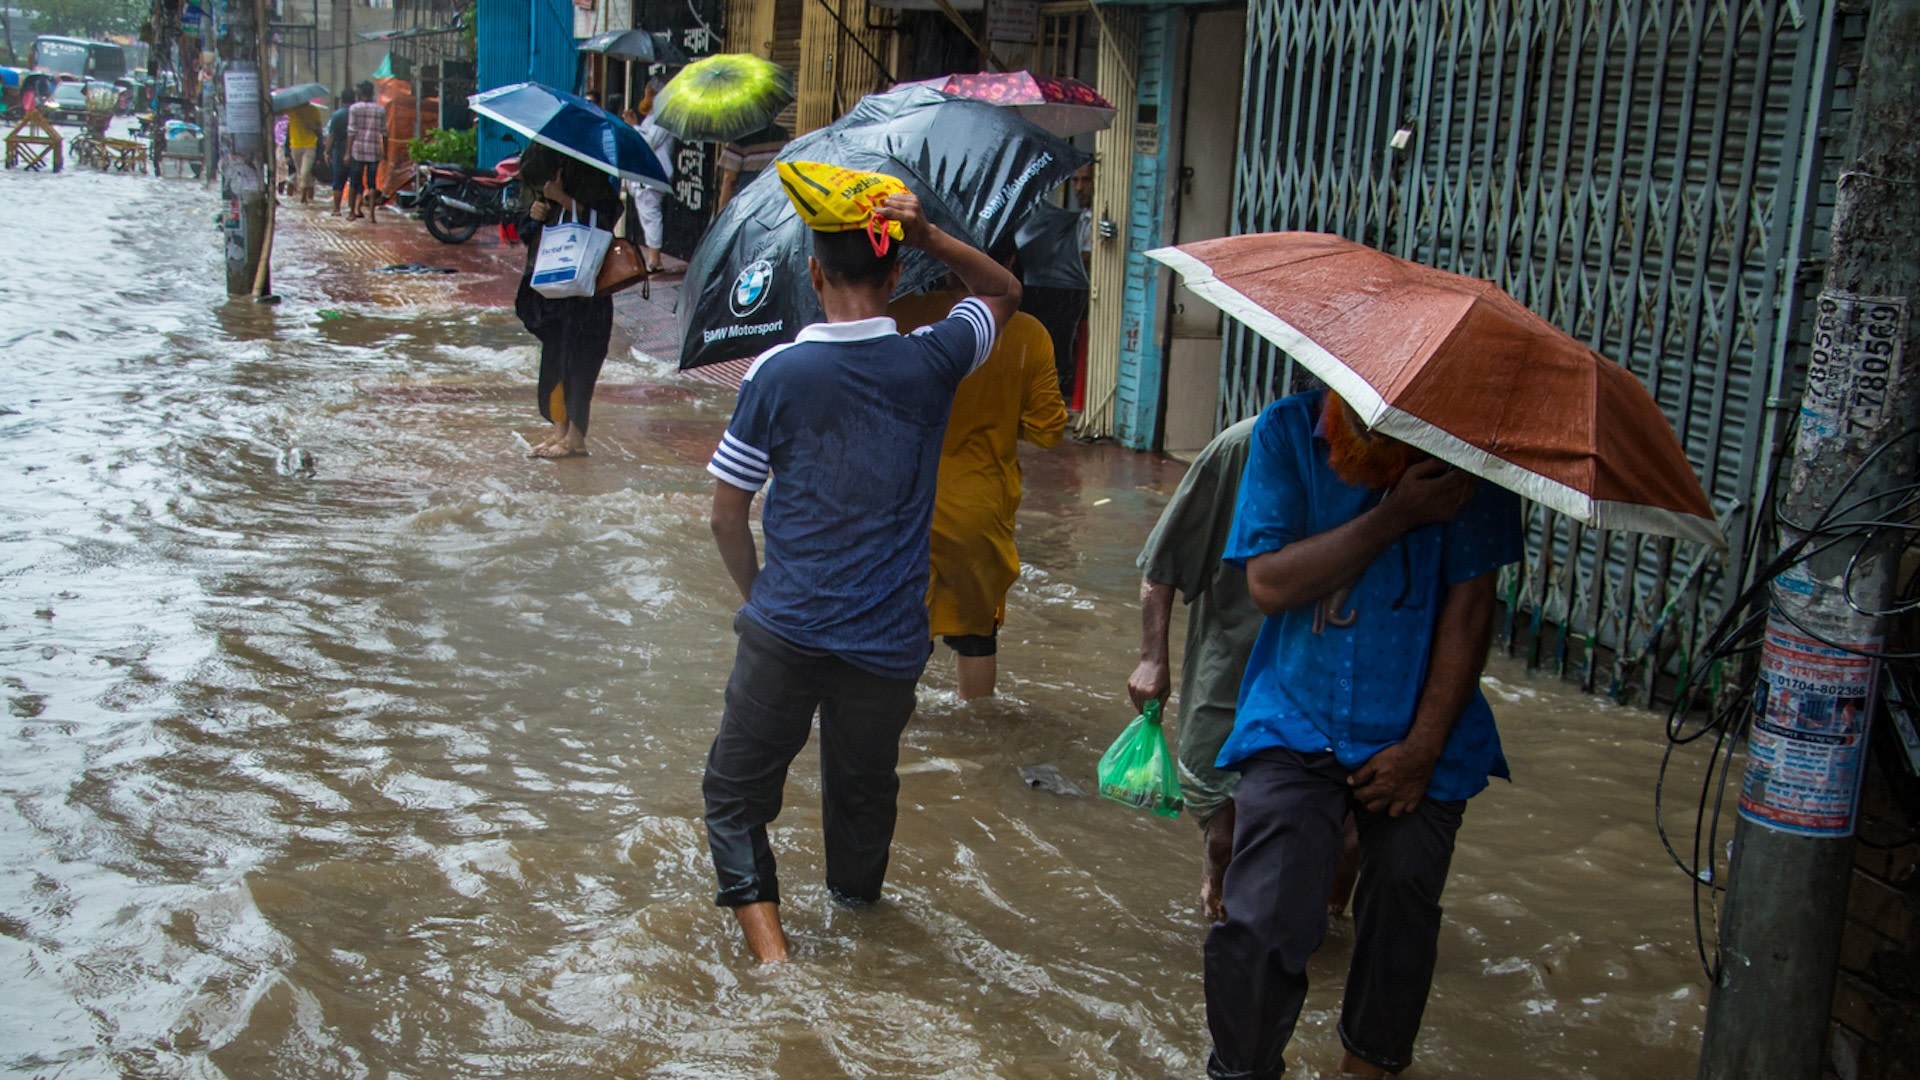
point(1808, 742)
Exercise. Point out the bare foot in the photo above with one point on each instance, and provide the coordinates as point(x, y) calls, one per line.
point(1218, 851)
point(1353, 1066)
point(761, 924)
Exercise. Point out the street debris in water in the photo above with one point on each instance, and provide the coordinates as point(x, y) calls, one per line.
point(1048, 778)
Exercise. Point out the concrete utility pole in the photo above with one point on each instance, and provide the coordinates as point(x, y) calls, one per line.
point(1793, 846)
point(245, 120)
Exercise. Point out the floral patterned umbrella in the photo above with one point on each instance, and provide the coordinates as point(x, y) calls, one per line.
point(1065, 107)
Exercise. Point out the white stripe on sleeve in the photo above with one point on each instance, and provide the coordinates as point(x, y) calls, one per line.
point(738, 464)
point(752, 455)
point(726, 473)
point(976, 315)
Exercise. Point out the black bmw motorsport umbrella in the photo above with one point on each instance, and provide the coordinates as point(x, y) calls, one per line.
point(979, 171)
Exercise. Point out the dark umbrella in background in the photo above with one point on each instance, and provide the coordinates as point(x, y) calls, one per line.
point(292, 97)
point(979, 177)
point(1053, 282)
point(1048, 244)
point(634, 47)
point(640, 46)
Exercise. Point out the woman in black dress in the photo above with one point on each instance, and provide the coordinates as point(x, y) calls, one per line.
point(573, 331)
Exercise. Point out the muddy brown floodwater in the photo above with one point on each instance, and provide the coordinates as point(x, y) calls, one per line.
point(390, 766)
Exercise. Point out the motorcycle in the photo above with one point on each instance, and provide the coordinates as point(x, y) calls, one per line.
point(455, 200)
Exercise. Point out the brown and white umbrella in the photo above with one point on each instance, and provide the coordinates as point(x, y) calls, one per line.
point(1455, 366)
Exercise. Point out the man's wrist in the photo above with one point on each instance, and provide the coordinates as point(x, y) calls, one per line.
point(1426, 747)
point(1387, 513)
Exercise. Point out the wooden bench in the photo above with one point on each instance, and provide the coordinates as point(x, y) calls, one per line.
point(123, 155)
point(34, 145)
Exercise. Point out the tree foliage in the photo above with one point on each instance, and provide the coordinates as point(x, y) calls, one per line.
point(86, 18)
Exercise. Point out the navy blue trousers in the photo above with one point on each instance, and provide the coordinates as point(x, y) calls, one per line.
point(1289, 809)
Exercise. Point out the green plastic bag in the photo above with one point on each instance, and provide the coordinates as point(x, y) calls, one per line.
point(1138, 769)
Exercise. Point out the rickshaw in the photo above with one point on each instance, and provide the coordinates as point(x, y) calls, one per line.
point(95, 146)
point(21, 90)
point(173, 135)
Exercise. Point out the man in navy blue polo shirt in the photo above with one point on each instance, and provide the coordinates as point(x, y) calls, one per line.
point(1374, 566)
point(847, 421)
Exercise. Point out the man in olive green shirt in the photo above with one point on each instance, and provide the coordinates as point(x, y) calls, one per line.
point(1183, 554)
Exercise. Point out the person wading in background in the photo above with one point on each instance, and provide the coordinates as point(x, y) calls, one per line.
point(1014, 397)
point(1183, 557)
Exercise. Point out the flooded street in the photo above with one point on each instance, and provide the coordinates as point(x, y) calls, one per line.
point(382, 757)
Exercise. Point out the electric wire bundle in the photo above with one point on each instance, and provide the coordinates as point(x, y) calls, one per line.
point(1882, 523)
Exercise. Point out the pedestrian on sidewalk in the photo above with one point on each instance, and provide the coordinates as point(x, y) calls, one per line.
point(745, 158)
point(847, 419)
point(649, 202)
point(1014, 397)
point(337, 147)
point(573, 331)
point(1374, 566)
point(1184, 557)
point(303, 141)
point(366, 139)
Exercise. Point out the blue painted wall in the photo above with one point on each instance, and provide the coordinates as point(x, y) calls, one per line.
point(1136, 410)
point(521, 41)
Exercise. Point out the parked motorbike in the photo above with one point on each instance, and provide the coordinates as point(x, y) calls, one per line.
point(455, 200)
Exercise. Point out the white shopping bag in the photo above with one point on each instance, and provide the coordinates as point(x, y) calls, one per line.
point(570, 257)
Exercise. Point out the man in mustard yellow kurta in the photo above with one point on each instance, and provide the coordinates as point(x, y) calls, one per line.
point(1014, 395)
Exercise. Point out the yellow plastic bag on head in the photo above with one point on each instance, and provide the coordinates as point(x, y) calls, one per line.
point(830, 198)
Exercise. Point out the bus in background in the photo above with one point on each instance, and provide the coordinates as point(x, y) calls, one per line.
point(78, 58)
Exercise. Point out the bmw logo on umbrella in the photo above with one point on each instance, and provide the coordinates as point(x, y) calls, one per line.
point(750, 289)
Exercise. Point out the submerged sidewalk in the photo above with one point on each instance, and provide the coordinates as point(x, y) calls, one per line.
point(347, 259)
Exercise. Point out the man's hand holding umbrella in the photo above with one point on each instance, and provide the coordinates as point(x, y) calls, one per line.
point(992, 283)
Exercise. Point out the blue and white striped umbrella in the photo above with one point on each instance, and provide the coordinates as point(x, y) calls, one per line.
point(576, 127)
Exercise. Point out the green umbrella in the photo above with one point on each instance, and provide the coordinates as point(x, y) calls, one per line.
point(720, 98)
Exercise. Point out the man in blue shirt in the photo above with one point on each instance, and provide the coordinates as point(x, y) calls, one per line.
point(1374, 566)
point(847, 421)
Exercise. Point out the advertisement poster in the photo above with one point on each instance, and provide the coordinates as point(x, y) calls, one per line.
point(243, 103)
point(1809, 742)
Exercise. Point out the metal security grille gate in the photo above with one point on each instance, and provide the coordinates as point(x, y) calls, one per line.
point(1647, 175)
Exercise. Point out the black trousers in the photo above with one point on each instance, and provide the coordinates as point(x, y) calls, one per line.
point(1286, 848)
point(1060, 311)
point(574, 333)
point(771, 697)
point(361, 176)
